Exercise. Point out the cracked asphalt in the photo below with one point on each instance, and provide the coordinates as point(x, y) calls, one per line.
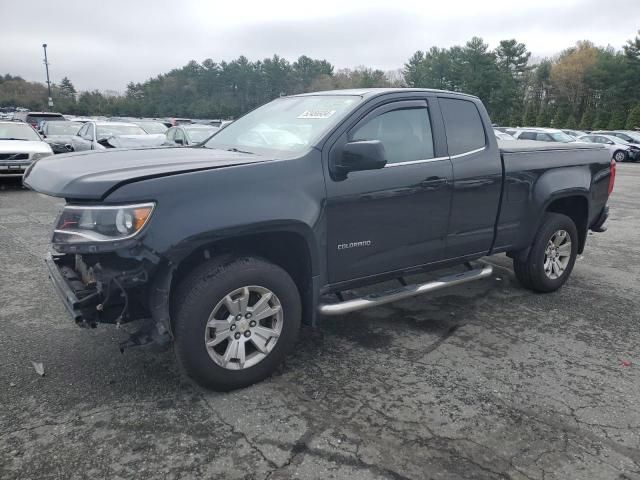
point(483, 381)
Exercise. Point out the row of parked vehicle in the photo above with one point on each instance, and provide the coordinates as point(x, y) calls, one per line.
point(624, 145)
point(29, 136)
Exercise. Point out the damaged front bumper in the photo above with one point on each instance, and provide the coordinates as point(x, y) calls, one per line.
point(93, 294)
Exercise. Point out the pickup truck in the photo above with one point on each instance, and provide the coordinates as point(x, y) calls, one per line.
point(225, 248)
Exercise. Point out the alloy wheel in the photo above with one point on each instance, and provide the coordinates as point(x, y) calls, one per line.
point(244, 327)
point(557, 254)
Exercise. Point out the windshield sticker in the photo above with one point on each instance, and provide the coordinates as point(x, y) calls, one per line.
point(316, 114)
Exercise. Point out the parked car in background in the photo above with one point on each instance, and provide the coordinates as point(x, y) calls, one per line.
point(187, 135)
point(81, 119)
point(628, 136)
point(502, 135)
point(151, 126)
point(574, 133)
point(101, 135)
point(59, 135)
point(20, 145)
point(33, 118)
point(621, 151)
point(172, 121)
point(543, 135)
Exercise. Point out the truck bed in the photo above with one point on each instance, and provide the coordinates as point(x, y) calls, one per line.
point(540, 168)
point(522, 156)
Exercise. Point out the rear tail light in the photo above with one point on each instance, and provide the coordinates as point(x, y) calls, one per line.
point(612, 176)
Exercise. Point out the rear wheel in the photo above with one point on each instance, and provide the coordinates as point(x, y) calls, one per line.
point(620, 156)
point(552, 255)
point(236, 319)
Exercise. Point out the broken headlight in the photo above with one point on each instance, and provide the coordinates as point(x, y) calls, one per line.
point(78, 224)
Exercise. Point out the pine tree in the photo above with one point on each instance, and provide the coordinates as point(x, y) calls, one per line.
point(66, 88)
point(602, 119)
point(618, 119)
point(530, 115)
point(543, 119)
point(571, 122)
point(560, 117)
point(633, 120)
point(587, 120)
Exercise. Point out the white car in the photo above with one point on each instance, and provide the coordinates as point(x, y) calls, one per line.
point(543, 135)
point(621, 151)
point(20, 145)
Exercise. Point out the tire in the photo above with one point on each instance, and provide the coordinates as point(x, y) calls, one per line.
point(531, 272)
point(620, 156)
point(206, 291)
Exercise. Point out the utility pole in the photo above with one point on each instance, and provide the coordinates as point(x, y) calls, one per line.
point(46, 65)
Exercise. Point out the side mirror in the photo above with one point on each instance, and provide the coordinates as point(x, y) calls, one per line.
point(357, 156)
point(609, 142)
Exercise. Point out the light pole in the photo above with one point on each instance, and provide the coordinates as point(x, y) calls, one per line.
point(46, 65)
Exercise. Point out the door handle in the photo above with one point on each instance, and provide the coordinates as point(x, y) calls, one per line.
point(433, 182)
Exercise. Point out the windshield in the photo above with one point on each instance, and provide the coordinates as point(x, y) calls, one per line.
point(152, 127)
point(200, 134)
point(286, 125)
point(111, 130)
point(562, 137)
point(503, 136)
point(635, 136)
point(19, 131)
point(62, 128)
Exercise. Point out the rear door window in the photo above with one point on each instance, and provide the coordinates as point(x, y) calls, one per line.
point(465, 130)
point(543, 137)
point(527, 136)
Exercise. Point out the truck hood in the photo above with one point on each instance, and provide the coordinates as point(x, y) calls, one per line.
point(92, 175)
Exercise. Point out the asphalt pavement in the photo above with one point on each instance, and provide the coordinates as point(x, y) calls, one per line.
point(482, 381)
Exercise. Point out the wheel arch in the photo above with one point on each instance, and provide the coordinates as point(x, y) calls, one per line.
point(291, 247)
point(576, 207)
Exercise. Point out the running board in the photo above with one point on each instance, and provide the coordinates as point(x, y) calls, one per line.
point(377, 299)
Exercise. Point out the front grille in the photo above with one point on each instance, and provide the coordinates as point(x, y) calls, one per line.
point(14, 156)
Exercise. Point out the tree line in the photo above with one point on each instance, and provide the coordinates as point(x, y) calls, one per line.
point(585, 86)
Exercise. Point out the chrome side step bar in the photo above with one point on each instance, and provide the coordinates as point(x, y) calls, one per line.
point(377, 299)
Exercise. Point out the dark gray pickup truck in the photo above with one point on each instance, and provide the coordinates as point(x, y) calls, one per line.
point(224, 248)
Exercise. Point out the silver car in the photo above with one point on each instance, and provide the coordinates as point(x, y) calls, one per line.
point(621, 151)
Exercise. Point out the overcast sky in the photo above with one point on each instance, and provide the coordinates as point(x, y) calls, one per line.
point(108, 43)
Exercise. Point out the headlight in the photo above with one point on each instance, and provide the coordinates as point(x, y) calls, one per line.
point(38, 156)
point(90, 224)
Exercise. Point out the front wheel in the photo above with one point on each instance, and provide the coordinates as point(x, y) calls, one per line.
point(236, 319)
point(552, 255)
point(620, 156)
